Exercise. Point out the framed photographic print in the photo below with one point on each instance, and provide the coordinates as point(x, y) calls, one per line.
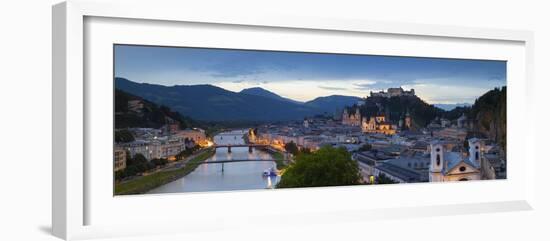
point(209, 122)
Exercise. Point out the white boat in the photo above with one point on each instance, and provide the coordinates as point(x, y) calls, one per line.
point(269, 172)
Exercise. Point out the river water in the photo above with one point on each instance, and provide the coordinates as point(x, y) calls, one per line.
point(235, 176)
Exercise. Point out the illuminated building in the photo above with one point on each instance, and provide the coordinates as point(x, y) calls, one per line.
point(351, 119)
point(377, 124)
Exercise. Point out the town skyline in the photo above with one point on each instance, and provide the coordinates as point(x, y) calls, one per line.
point(289, 74)
point(202, 120)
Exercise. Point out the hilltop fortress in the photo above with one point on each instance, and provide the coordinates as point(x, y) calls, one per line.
point(393, 92)
point(380, 122)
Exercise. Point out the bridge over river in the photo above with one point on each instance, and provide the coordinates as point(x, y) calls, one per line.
point(238, 167)
point(237, 160)
point(250, 146)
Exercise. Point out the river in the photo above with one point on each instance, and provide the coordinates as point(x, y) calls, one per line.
point(235, 175)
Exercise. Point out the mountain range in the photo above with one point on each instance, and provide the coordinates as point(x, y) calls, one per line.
point(212, 103)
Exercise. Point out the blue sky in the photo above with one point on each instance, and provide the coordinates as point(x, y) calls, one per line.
point(305, 76)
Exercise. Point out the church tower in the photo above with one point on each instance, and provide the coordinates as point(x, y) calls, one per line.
point(408, 121)
point(345, 116)
point(475, 145)
point(436, 161)
point(364, 124)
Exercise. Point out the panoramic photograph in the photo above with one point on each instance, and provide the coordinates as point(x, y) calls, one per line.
point(204, 119)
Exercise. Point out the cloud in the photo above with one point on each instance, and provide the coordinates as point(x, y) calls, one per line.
point(371, 85)
point(332, 87)
point(226, 72)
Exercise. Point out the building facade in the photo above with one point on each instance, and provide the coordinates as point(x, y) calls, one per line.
point(353, 119)
point(120, 159)
point(377, 124)
point(197, 135)
point(455, 166)
point(393, 92)
point(135, 106)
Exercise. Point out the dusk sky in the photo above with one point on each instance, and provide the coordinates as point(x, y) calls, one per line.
point(305, 76)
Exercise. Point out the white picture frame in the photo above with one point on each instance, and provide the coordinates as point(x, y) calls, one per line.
point(74, 200)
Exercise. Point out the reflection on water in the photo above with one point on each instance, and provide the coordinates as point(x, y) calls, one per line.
point(235, 176)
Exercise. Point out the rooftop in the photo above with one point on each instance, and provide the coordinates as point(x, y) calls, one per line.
point(404, 174)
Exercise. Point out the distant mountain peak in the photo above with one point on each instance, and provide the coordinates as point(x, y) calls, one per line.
point(256, 88)
point(332, 103)
point(259, 91)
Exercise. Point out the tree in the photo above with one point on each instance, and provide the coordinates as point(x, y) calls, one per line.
point(291, 147)
point(328, 166)
point(305, 150)
point(123, 136)
point(159, 162)
point(119, 175)
point(137, 164)
point(136, 160)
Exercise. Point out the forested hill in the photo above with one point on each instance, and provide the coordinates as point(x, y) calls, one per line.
point(150, 116)
point(489, 115)
point(396, 107)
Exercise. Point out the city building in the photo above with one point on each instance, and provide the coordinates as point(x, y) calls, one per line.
point(137, 147)
point(393, 92)
point(455, 166)
point(161, 147)
point(451, 133)
point(408, 121)
point(445, 122)
point(462, 121)
point(351, 119)
point(120, 159)
point(195, 134)
point(377, 124)
point(410, 167)
point(173, 127)
point(135, 106)
point(397, 173)
point(167, 149)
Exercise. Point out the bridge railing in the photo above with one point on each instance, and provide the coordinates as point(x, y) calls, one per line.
point(238, 160)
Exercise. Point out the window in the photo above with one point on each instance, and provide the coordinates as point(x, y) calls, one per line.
point(477, 156)
point(438, 158)
point(462, 169)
